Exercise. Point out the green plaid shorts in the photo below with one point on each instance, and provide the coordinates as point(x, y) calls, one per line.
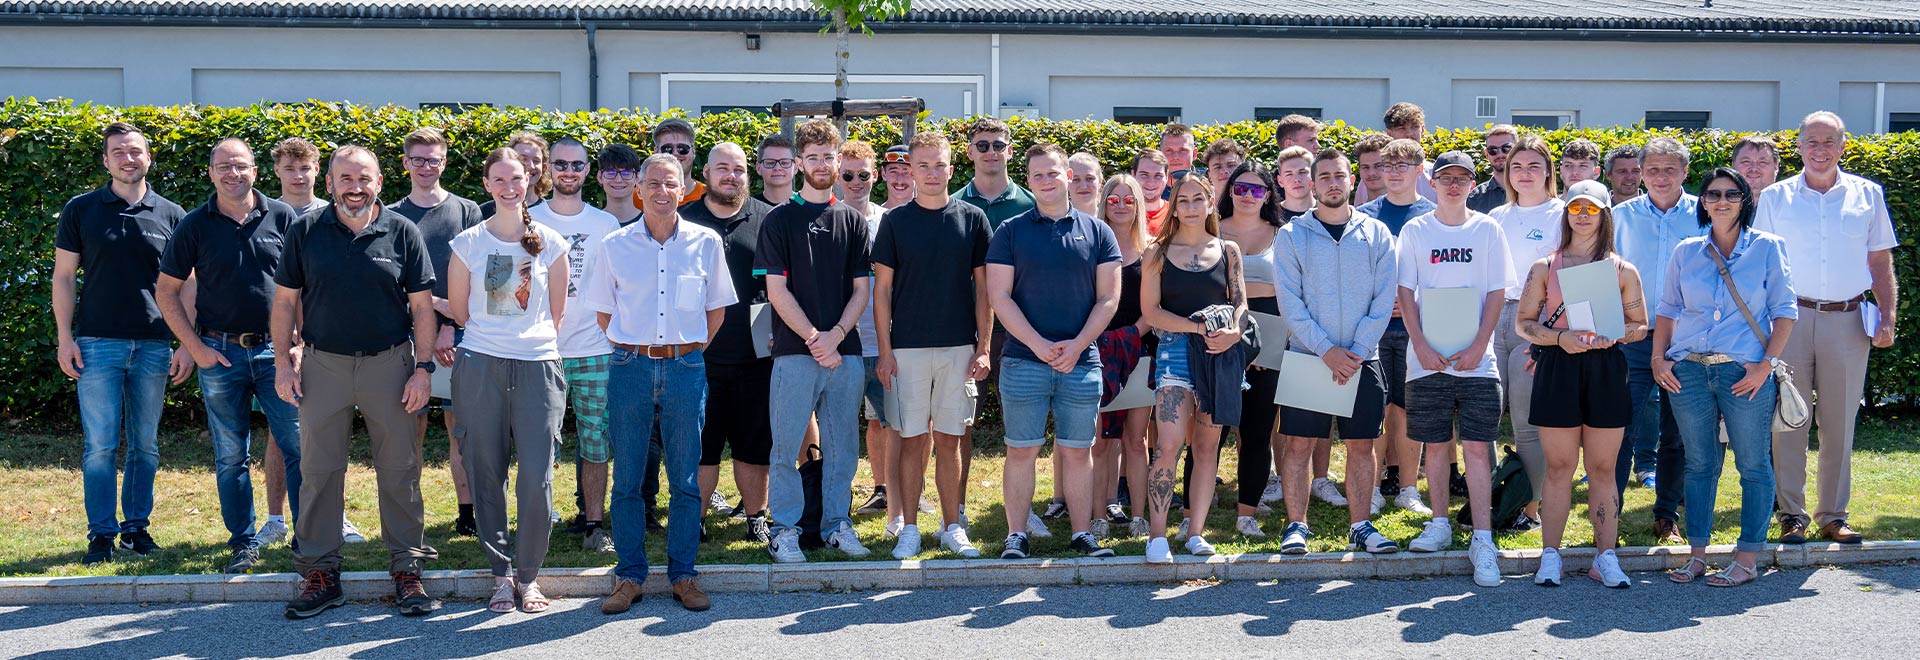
point(587, 387)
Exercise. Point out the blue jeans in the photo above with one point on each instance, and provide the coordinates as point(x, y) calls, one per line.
point(673, 391)
point(802, 389)
point(229, 393)
point(121, 389)
point(1652, 441)
point(1705, 397)
point(1029, 390)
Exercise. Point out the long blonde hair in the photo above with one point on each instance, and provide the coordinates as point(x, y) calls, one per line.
point(1171, 227)
point(1138, 234)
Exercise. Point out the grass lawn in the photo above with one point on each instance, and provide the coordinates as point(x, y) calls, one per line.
point(45, 523)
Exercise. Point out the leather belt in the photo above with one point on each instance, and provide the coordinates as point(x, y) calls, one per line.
point(1709, 358)
point(242, 339)
point(1849, 305)
point(659, 352)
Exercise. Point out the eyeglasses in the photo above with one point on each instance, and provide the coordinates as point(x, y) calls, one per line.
point(1734, 196)
point(569, 166)
point(1393, 167)
point(1583, 208)
point(618, 175)
point(988, 147)
point(675, 149)
point(862, 175)
point(776, 163)
point(1253, 190)
point(1116, 200)
point(416, 161)
point(232, 168)
point(1453, 180)
point(1502, 149)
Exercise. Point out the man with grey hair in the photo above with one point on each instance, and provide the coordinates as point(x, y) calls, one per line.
point(1622, 169)
point(1840, 240)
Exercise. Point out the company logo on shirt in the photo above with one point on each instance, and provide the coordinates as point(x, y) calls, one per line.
point(1536, 235)
point(1452, 255)
point(819, 229)
point(155, 236)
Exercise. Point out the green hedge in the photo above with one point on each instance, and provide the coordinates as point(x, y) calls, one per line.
point(50, 151)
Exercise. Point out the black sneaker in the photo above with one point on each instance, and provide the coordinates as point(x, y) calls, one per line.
point(320, 592)
point(1084, 544)
point(1390, 484)
point(139, 543)
point(757, 529)
point(1523, 524)
point(411, 596)
point(1456, 482)
point(464, 526)
point(1016, 547)
point(1117, 515)
point(740, 510)
point(243, 559)
point(704, 536)
point(877, 503)
point(99, 549)
point(1122, 493)
point(1056, 510)
point(578, 525)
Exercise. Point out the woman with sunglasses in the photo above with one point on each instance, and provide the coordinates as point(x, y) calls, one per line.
point(1250, 219)
point(1122, 445)
point(1531, 219)
point(1708, 354)
point(1580, 382)
point(1188, 269)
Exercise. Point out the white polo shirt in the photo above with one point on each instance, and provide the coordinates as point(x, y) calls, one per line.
point(658, 294)
point(1828, 235)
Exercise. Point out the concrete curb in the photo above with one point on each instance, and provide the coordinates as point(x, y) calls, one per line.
point(915, 574)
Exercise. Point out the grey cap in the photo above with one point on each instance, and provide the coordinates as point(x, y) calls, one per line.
point(1590, 190)
point(1458, 159)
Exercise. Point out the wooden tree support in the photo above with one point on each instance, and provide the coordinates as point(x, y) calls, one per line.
point(907, 108)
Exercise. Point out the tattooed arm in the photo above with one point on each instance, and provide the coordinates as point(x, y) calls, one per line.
point(1633, 302)
point(1218, 342)
point(1533, 302)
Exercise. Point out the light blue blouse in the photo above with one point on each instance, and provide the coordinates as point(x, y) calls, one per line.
point(1706, 319)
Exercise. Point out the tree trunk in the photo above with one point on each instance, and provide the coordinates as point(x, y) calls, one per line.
point(840, 56)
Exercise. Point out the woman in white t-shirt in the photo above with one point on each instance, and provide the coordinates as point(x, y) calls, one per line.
point(507, 285)
point(1531, 220)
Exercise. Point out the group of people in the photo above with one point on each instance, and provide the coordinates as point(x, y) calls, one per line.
point(691, 318)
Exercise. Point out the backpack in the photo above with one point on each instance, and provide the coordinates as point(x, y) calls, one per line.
point(810, 512)
point(1512, 491)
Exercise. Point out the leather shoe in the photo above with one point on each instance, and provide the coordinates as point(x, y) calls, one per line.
point(688, 592)
point(1665, 532)
point(1838, 532)
point(1793, 531)
point(624, 595)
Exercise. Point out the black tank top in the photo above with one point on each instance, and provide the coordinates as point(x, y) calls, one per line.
point(1129, 311)
point(1183, 292)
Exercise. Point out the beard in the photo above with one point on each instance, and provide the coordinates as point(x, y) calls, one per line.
point(723, 197)
point(825, 182)
point(563, 188)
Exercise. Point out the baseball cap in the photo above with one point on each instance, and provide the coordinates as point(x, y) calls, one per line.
point(896, 154)
point(1458, 159)
point(1592, 191)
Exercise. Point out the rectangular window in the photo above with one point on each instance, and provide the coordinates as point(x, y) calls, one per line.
point(1685, 119)
point(1276, 114)
point(1544, 119)
point(1903, 121)
point(1128, 114)
point(722, 109)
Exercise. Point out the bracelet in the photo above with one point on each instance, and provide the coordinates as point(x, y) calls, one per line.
point(1558, 336)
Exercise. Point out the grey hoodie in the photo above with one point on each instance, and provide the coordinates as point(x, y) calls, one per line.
point(1335, 293)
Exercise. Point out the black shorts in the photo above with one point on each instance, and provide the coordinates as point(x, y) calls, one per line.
point(1369, 410)
point(1393, 361)
point(1439, 400)
point(737, 413)
point(1571, 390)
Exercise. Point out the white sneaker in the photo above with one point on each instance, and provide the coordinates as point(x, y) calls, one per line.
point(1409, 499)
point(1158, 552)
point(1486, 562)
point(895, 525)
point(1434, 537)
point(1098, 528)
point(1549, 573)
point(955, 540)
point(718, 502)
point(1325, 491)
point(1036, 527)
point(274, 531)
point(1198, 546)
point(1272, 493)
point(1263, 509)
point(1183, 533)
point(847, 542)
point(1606, 571)
point(1249, 527)
point(785, 547)
point(349, 533)
point(909, 544)
point(1138, 528)
point(1377, 503)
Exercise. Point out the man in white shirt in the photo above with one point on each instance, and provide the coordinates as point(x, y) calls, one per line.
point(584, 352)
point(659, 289)
point(1840, 243)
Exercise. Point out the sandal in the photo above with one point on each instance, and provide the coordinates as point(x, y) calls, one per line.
point(1686, 574)
point(531, 600)
point(502, 600)
point(1728, 578)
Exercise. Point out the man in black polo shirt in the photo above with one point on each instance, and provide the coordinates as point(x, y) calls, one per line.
point(356, 277)
point(736, 374)
point(113, 342)
point(230, 246)
point(813, 253)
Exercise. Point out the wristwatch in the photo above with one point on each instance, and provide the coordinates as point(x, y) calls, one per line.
point(425, 364)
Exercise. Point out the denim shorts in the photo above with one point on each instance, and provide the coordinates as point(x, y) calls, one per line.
point(875, 394)
point(1170, 368)
point(1029, 390)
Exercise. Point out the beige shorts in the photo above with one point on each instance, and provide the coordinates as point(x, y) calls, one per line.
point(933, 390)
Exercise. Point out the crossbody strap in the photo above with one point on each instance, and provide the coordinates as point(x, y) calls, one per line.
point(1721, 263)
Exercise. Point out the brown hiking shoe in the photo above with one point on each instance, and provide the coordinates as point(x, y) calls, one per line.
point(688, 592)
point(624, 595)
point(1793, 531)
point(1665, 532)
point(1838, 532)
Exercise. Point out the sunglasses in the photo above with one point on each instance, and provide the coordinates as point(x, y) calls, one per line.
point(892, 158)
point(1734, 196)
point(1253, 190)
point(569, 165)
point(1583, 208)
point(1502, 149)
point(989, 147)
point(862, 175)
point(1116, 200)
point(675, 149)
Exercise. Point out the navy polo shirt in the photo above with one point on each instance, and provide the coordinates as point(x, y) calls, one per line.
point(354, 287)
point(1053, 262)
point(820, 249)
point(233, 262)
point(119, 246)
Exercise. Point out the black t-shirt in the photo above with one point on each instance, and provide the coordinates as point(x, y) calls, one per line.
point(1128, 313)
point(438, 225)
point(820, 249)
point(933, 253)
point(740, 235)
point(232, 263)
point(353, 288)
point(1337, 231)
point(119, 246)
point(1287, 215)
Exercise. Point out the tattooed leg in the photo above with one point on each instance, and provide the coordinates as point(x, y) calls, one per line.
point(1174, 414)
point(1603, 505)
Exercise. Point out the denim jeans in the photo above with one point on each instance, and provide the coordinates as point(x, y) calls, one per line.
point(121, 389)
point(802, 389)
point(1654, 432)
point(641, 390)
point(229, 393)
point(1705, 397)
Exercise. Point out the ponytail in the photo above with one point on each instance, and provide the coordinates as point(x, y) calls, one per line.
point(531, 239)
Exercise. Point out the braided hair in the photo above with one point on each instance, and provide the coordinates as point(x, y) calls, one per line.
point(529, 239)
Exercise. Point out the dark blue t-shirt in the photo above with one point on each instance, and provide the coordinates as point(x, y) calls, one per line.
point(1394, 215)
point(1053, 278)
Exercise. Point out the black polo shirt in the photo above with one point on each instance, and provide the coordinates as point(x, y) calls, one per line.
point(233, 262)
point(820, 249)
point(119, 246)
point(740, 235)
point(933, 253)
point(353, 288)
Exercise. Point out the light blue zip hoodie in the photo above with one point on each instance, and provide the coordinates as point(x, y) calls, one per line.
point(1335, 293)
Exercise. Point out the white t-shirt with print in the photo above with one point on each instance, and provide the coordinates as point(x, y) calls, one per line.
point(1533, 232)
point(580, 334)
point(1472, 255)
point(507, 311)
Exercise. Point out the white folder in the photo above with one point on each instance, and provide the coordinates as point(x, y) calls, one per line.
point(1306, 383)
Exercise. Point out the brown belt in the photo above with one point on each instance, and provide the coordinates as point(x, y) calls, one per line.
point(661, 352)
point(1848, 305)
point(246, 340)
